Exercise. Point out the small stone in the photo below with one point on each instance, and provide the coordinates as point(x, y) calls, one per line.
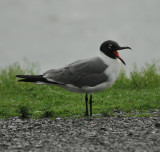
point(103, 128)
point(58, 118)
point(157, 125)
point(38, 146)
point(130, 134)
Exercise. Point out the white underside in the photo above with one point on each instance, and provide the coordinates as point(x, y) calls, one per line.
point(112, 72)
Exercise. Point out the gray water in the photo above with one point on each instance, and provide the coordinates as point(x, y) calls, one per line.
point(57, 32)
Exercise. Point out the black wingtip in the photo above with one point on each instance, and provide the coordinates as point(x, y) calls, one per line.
point(29, 78)
point(34, 79)
point(21, 76)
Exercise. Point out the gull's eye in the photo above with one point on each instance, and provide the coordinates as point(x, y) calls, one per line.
point(110, 46)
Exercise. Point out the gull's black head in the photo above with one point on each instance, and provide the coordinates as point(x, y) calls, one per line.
point(110, 48)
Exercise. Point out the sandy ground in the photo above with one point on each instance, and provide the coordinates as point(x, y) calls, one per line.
point(141, 134)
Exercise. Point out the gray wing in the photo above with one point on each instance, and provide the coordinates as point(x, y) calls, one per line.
point(87, 72)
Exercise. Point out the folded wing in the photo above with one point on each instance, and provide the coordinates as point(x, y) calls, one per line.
point(87, 72)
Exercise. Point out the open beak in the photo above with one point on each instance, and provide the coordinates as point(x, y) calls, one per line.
point(117, 54)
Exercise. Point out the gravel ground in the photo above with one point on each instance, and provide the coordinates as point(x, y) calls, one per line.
point(140, 134)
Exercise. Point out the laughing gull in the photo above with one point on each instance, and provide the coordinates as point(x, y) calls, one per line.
point(87, 75)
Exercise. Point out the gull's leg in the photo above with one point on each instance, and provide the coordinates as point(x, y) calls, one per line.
point(90, 102)
point(86, 99)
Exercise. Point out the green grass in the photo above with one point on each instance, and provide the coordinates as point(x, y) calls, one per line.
point(140, 92)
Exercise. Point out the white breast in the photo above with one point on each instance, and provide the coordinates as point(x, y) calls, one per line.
point(114, 66)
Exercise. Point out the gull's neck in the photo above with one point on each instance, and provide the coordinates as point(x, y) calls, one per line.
point(106, 59)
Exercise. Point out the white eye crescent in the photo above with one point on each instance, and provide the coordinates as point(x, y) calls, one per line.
point(110, 46)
